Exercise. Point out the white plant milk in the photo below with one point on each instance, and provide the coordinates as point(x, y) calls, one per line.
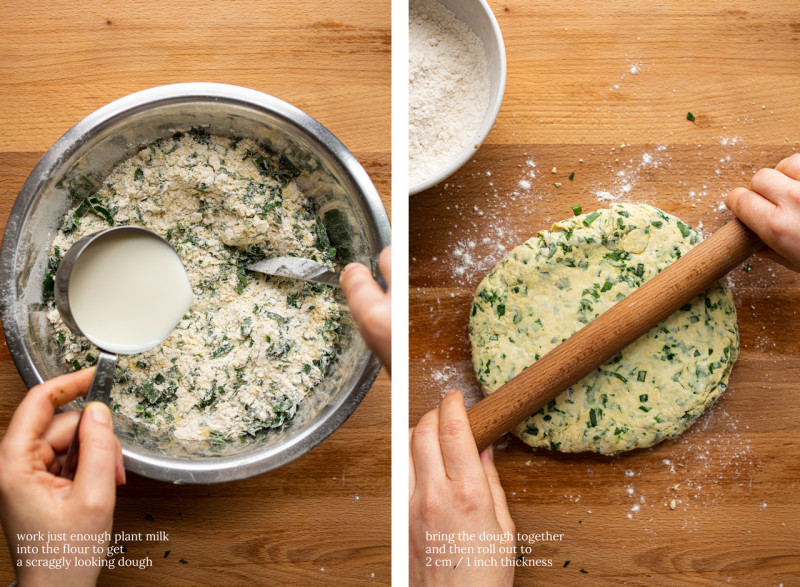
point(128, 291)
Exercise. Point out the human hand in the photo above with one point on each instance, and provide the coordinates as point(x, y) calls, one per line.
point(771, 208)
point(454, 490)
point(34, 499)
point(370, 305)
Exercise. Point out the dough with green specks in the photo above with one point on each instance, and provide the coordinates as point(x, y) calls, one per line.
point(548, 288)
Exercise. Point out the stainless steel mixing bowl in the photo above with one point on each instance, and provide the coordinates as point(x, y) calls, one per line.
point(343, 194)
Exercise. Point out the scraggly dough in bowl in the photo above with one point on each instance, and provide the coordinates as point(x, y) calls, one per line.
point(250, 349)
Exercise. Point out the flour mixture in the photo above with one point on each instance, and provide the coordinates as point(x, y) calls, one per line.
point(250, 348)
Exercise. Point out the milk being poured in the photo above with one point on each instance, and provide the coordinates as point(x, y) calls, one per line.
point(128, 291)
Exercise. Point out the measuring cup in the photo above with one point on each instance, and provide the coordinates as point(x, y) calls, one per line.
point(125, 289)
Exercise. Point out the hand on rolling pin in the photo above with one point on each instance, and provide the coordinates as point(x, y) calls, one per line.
point(453, 490)
point(33, 498)
point(370, 305)
point(771, 208)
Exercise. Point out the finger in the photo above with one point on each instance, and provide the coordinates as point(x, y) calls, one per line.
point(751, 208)
point(362, 292)
point(412, 475)
point(119, 469)
point(425, 450)
point(385, 265)
point(61, 430)
point(371, 309)
point(95, 477)
point(459, 452)
point(35, 412)
point(498, 495)
point(790, 166)
point(774, 186)
point(357, 282)
point(56, 466)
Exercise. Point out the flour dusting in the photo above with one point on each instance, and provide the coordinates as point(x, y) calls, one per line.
point(448, 88)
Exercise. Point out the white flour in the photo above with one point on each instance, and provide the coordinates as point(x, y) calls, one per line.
point(448, 88)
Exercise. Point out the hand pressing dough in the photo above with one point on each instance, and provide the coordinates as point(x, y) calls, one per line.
point(548, 288)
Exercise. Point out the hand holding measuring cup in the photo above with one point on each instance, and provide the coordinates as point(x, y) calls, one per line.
point(124, 289)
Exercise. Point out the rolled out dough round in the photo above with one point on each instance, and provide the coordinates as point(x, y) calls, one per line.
point(546, 289)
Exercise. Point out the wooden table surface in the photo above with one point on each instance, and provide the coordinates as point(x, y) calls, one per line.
point(325, 517)
point(602, 89)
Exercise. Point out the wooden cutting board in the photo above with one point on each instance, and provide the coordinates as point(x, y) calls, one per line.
point(325, 517)
point(602, 89)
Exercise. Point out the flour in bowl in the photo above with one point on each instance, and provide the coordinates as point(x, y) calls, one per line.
point(250, 348)
point(448, 88)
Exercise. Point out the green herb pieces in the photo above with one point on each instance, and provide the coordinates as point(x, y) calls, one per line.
point(49, 282)
point(594, 415)
point(577, 210)
point(615, 374)
point(558, 185)
point(566, 563)
point(211, 398)
point(223, 349)
point(572, 176)
point(591, 218)
point(690, 117)
point(200, 135)
point(284, 170)
point(323, 243)
point(92, 204)
point(216, 437)
point(277, 317)
point(243, 258)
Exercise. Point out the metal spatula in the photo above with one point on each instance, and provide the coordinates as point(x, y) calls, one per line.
point(299, 268)
point(296, 268)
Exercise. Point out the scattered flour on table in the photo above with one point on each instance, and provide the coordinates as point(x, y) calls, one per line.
point(448, 88)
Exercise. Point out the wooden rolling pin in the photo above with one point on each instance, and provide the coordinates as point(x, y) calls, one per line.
point(612, 331)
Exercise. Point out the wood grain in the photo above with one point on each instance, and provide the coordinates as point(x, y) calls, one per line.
point(323, 519)
point(572, 104)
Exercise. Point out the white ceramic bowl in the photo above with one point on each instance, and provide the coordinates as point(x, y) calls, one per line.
point(479, 18)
